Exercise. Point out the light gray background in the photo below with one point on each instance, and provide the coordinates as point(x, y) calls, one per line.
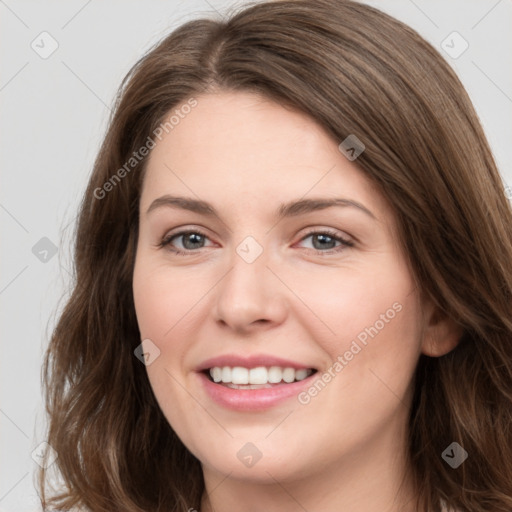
point(54, 114)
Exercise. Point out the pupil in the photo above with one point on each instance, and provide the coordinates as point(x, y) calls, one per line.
point(324, 238)
point(193, 238)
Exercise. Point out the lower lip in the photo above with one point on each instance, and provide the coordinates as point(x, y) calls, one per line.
point(253, 399)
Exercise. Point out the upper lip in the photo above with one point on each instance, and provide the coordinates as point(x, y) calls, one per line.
point(252, 361)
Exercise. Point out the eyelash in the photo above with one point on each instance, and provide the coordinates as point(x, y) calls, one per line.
point(344, 242)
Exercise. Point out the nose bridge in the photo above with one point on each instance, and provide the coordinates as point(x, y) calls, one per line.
point(249, 292)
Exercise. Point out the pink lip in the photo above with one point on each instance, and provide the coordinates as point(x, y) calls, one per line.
point(253, 399)
point(249, 362)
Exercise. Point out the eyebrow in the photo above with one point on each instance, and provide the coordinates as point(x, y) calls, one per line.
point(290, 209)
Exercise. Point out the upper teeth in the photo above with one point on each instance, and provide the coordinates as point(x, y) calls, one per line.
point(259, 375)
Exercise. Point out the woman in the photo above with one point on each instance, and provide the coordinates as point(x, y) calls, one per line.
point(293, 280)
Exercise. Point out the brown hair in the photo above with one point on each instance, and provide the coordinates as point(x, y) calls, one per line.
point(355, 70)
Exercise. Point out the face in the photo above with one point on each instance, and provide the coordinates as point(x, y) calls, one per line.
point(267, 256)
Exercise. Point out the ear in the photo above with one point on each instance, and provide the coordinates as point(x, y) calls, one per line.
point(441, 333)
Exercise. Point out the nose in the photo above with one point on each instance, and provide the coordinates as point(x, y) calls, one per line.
point(250, 296)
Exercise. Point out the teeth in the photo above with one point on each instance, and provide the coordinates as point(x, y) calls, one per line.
point(216, 374)
point(301, 374)
point(289, 374)
point(275, 374)
point(260, 375)
point(257, 375)
point(226, 374)
point(240, 375)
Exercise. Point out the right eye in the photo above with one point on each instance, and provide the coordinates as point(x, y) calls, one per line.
point(190, 241)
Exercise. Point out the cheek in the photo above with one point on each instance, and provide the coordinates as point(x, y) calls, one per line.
point(350, 304)
point(376, 341)
point(169, 309)
point(373, 351)
point(372, 339)
point(153, 304)
point(162, 305)
point(164, 299)
point(159, 305)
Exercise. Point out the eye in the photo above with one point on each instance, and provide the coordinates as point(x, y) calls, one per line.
point(325, 241)
point(190, 241)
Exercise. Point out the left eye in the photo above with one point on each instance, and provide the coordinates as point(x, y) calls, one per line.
point(326, 242)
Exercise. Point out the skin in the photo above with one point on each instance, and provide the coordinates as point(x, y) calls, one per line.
point(345, 449)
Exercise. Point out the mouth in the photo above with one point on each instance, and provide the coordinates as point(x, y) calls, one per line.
point(261, 377)
point(255, 382)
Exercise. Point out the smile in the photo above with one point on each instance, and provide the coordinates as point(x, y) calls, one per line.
point(254, 397)
point(239, 377)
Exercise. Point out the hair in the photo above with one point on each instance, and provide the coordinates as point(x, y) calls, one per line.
point(354, 70)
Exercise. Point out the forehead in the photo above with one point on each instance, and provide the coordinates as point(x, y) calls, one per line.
point(236, 146)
